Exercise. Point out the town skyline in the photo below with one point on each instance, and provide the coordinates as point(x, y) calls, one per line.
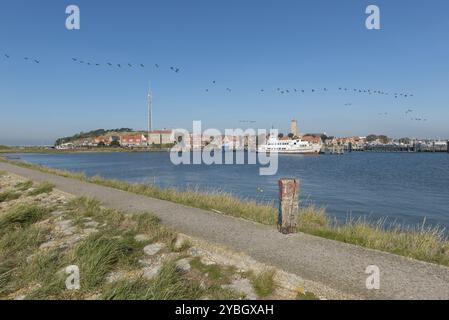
point(315, 62)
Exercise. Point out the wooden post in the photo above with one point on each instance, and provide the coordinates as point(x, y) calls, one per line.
point(447, 146)
point(288, 205)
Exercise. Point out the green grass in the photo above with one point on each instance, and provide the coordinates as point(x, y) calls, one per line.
point(168, 284)
point(217, 274)
point(24, 186)
point(9, 195)
point(18, 239)
point(7, 267)
point(44, 187)
point(306, 296)
point(422, 243)
point(263, 283)
point(20, 216)
point(46, 268)
point(96, 257)
point(39, 274)
point(85, 207)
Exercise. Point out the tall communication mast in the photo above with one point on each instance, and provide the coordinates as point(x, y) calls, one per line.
point(150, 114)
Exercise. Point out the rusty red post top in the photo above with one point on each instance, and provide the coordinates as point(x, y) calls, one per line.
point(287, 186)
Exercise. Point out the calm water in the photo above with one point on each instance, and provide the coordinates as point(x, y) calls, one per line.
point(404, 187)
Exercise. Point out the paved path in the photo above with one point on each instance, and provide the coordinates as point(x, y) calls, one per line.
point(337, 265)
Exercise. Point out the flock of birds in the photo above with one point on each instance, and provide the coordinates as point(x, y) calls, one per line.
point(410, 112)
point(119, 65)
point(7, 56)
point(281, 91)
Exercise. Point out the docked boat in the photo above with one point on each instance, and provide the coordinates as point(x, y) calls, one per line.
point(290, 146)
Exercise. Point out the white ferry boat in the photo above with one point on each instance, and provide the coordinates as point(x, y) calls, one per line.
point(296, 146)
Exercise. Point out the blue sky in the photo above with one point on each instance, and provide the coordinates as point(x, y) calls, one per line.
point(244, 45)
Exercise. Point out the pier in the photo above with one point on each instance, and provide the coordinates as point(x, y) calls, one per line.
point(412, 148)
point(407, 148)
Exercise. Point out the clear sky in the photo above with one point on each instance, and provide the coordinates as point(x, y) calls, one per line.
point(243, 45)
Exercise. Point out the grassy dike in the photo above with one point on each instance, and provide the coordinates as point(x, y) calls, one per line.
point(423, 243)
point(119, 255)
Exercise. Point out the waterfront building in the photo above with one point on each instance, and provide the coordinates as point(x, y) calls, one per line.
point(294, 128)
point(166, 136)
point(133, 140)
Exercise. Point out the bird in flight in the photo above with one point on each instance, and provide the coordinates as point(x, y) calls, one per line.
point(37, 61)
point(142, 65)
point(74, 59)
point(130, 65)
point(109, 64)
point(156, 65)
point(119, 65)
point(7, 56)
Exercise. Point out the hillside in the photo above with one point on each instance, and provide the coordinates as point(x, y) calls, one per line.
point(91, 134)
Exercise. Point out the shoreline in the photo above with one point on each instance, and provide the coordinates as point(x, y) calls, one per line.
point(425, 243)
point(55, 151)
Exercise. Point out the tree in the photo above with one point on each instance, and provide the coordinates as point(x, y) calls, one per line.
point(281, 135)
point(101, 144)
point(291, 135)
point(371, 138)
point(384, 139)
point(115, 143)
